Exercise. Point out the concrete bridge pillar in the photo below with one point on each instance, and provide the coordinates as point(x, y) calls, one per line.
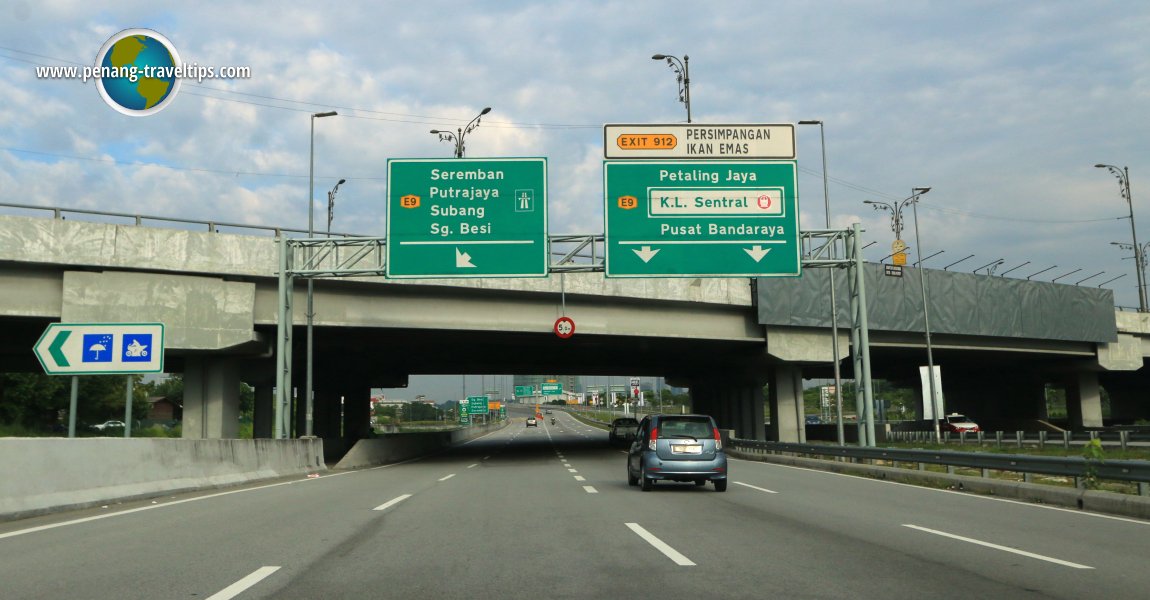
point(786, 398)
point(211, 397)
point(1129, 400)
point(736, 405)
point(1084, 400)
point(356, 414)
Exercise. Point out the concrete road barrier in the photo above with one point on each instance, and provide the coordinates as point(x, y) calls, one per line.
point(38, 475)
point(396, 447)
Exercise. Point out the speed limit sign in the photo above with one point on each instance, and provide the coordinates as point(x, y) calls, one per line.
point(564, 327)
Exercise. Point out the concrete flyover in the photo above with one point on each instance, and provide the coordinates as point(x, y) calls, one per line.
point(725, 338)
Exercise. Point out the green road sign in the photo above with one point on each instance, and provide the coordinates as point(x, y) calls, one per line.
point(101, 348)
point(477, 405)
point(467, 217)
point(524, 390)
point(551, 389)
point(701, 219)
point(464, 417)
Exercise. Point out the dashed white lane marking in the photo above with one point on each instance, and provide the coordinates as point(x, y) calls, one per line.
point(568, 465)
point(487, 457)
point(473, 466)
point(392, 502)
point(1003, 548)
point(572, 470)
point(590, 489)
point(755, 487)
point(446, 478)
point(661, 546)
point(580, 478)
point(242, 585)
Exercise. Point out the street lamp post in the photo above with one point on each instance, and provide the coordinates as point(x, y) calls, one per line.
point(331, 204)
point(446, 135)
point(682, 69)
point(834, 303)
point(310, 282)
point(1123, 176)
point(917, 193)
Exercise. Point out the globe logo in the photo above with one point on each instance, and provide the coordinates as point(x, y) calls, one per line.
point(137, 71)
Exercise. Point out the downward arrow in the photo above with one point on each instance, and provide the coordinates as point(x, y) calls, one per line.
point(757, 252)
point(463, 260)
point(646, 253)
point(55, 348)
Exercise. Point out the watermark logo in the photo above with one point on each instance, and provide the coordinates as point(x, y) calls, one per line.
point(138, 72)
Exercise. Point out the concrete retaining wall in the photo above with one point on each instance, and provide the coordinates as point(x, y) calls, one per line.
point(38, 475)
point(398, 447)
point(1091, 500)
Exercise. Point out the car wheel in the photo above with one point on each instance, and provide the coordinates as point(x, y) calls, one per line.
point(646, 483)
point(631, 479)
point(720, 485)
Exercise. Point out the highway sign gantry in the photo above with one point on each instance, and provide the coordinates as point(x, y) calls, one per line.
point(701, 219)
point(101, 348)
point(694, 141)
point(467, 217)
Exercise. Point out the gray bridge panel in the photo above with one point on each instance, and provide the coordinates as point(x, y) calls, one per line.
point(960, 304)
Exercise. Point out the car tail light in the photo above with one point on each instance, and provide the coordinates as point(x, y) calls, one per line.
point(718, 439)
point(654, 436)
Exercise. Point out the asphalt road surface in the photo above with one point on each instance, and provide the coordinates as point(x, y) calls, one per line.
point(547, 513)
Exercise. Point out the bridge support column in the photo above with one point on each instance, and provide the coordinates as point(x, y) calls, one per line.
point(211, 397)
point(356, 414)
point(1084, 401)
point(1128, 397)
point(786, 398)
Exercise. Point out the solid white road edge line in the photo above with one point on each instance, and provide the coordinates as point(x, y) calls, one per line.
point(242, 585)
point(661, 546)
point(446, 478)
point(754, 487)
point(392, 502)
point(1056, 561)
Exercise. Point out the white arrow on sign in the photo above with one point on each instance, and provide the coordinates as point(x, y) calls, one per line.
point(462, 260)
point(646, 253)
point(757, 252)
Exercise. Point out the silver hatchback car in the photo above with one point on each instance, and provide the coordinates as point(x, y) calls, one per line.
point(677, 448)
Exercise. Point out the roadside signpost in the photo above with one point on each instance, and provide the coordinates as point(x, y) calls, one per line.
point(464, 417)
point(467, 217)
point(101, 349)
point(694, 141)
point(701, 219)
point(477, 405)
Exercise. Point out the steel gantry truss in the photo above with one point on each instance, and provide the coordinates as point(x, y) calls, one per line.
point(311, 258)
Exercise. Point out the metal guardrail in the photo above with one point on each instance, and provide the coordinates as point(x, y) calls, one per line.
point(1079, 468)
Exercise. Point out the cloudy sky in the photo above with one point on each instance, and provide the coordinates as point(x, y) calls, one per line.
point(1003, 108)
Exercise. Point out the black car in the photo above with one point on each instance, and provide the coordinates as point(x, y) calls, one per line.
point(622, 430)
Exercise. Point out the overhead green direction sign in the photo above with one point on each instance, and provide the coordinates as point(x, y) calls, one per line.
point(101, 348)
point(551, 389)
point(477, 405)
point(701, 219)
point(467, 217)
point(524, 390)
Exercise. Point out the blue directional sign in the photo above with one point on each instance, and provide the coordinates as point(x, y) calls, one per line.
point(101, 348)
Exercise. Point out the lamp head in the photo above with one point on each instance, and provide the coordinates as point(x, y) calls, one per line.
point(485, 111)
point(1101, 166)
point(921, 191)
point(659, 57)
point(811, 122)
point(330, 113)
point(340, 182)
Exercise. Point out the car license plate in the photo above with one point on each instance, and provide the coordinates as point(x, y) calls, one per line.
point(687, 449)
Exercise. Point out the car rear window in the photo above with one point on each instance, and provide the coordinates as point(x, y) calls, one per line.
point(626, 423)
point(680, 427)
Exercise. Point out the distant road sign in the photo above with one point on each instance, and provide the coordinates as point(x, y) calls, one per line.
point(524, 390)
point(552, 389)
point(701, 219)
point(477, 405)
point(679, 141)
point(101, 348)
point(467, 217)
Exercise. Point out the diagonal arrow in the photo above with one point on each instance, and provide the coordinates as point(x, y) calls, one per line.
point(756, 252)
point(463, 260)
point(646, 253)
point(57, 344)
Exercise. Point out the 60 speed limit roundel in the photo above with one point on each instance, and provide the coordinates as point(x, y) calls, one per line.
point(564, 327)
